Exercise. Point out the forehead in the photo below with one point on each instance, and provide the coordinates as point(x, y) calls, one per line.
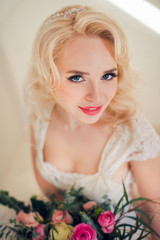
point(87, 51)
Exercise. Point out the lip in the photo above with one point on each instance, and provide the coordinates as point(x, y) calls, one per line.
point(91, 110)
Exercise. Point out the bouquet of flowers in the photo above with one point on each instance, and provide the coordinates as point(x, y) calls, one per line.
point(75, 218)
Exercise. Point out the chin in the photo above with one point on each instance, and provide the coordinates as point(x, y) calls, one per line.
point(91, 120)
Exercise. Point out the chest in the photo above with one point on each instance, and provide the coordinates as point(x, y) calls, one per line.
point(77, 151)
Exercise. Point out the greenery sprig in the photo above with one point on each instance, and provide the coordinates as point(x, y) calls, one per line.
point(82, 217)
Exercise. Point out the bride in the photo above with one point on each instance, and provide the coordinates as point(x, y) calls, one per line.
point(85, 128)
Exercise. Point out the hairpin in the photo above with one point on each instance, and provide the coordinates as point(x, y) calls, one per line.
point(69, 13)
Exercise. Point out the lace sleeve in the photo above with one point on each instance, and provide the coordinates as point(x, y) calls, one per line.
point(146, 142)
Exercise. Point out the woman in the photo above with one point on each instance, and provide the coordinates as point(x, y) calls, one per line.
point(86, 130)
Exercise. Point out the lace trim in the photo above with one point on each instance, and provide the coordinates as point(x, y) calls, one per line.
point(124, 145)
point(146, 141)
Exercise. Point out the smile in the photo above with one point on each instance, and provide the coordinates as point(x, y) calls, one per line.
point(91, 110)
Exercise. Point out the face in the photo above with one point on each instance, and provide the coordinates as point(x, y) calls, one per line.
point(88, 74)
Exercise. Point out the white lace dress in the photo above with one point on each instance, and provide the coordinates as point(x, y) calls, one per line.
point(138, 144)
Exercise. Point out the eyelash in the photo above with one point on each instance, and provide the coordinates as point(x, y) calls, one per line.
point(111, 74)
point(74, 76)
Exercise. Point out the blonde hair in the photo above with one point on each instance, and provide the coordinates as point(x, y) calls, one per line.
point(54, 33)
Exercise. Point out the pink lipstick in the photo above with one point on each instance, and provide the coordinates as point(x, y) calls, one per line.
point(91, 110)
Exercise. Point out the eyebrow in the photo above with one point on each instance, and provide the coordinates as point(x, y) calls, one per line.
point(86, 73)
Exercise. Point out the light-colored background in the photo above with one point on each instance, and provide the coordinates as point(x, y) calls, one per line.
point(19, 21)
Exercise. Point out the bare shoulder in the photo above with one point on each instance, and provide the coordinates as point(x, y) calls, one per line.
point(147, 176)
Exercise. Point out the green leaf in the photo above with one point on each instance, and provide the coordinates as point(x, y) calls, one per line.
point(142, 213)
point(1, 234)
point(125, 192)
point(117, 205)
point(126, 232)
point(43, 208)
point(97, 212)
point(4, 228)
point(35, 235)
point(106, 205)
point(28, 231)
point(130, 202)
point(143, 236)
point(86, 219)
point(13, 229)
point(12, 221)
point(8, 233)
point(12, 202)
point(51, 235)
point(126, 225)
point(146, 225)
point(149, 227)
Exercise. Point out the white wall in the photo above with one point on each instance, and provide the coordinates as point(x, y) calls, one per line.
point(19, 22)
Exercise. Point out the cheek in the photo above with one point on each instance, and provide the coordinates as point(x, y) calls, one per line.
point(67, 94)
point(114, 90)
point(110, 91)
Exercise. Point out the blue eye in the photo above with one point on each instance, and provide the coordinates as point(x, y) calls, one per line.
point(109, 76)
point(76, 78)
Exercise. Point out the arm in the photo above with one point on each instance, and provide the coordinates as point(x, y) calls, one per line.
point(147, 177)
point(44, 185)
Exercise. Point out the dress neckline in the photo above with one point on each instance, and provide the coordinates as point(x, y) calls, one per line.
point(48, 113)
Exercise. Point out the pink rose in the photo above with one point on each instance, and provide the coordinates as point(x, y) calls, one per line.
point(107, 221)
point(40, 229)
point(21, 217)
point(84, 231)
point(60, 216)
point(89, 204)
point(28, 218)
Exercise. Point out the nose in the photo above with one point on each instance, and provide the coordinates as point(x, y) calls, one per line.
point(93, 92)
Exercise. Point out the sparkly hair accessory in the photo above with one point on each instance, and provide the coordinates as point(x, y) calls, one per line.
point(71, 13)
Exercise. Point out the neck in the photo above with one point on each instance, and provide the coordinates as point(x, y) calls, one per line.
point(69, 122)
